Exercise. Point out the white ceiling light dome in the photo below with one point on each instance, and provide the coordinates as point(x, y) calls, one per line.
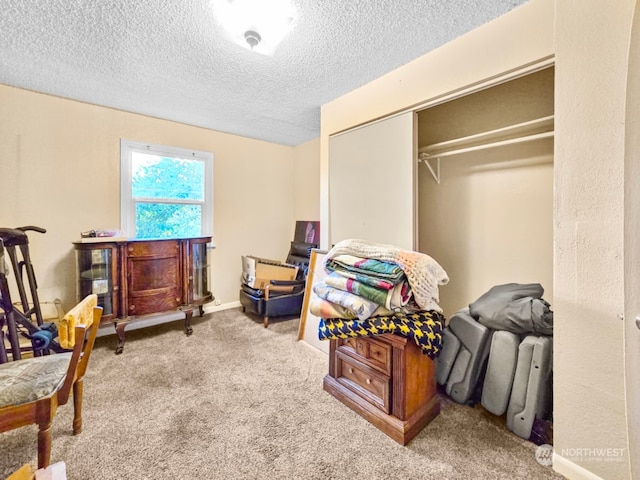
point(258, 25)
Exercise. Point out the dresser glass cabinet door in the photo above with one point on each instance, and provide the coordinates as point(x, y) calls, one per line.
point(98, 273)
point(198, 277)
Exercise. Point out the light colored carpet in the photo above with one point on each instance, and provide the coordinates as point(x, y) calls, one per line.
point(237, 401)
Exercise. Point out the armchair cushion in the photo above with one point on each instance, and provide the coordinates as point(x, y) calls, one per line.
point(251, 302)
point(285, 305)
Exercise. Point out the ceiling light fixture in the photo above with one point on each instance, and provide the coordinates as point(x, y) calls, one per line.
point(252, 38)
point(259, 25)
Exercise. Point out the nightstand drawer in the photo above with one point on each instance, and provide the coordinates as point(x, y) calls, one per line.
point(370, 352)
point(364, 380)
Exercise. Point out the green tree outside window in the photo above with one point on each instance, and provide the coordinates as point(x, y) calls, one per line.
point(168, 195)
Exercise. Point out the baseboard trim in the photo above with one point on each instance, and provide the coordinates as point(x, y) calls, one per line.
point(572, 470)
point(210, 307)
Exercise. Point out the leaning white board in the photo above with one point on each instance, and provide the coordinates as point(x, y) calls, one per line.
point(308, 329)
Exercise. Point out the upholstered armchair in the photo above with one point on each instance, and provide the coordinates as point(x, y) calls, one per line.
point(280, 297)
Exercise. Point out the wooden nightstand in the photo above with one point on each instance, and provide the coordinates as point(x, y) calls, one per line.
point(387, 380)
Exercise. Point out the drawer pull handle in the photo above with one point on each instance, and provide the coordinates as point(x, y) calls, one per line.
point(368, 380)
point(351, 370)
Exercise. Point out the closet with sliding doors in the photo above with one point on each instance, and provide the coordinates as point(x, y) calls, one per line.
point(467, 180)
point(485, 187)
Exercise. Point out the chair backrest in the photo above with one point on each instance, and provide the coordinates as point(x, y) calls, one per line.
point(81, 314)
point(85, 318)
point(299, 255)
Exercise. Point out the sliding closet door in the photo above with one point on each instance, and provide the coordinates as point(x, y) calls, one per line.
point(372, 183)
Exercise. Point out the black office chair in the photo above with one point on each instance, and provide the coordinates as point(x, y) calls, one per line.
point(280, 297)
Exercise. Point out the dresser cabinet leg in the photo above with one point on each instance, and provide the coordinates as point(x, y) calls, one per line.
point(187, 322)
point(120, 326)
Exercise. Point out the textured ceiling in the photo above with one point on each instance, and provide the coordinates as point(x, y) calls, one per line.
point(168, 58)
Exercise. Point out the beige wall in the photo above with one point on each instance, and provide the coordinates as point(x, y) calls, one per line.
point(60, 169)
point(591, 41)
point(592, 48)
point(489, 221)
point(306, 181)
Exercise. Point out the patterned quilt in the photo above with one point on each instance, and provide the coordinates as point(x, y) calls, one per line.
point(424, 328)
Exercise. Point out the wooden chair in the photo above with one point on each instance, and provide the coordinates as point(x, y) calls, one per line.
point(32, 389)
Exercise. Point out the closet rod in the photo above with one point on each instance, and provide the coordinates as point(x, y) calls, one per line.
point(435, 172)
point(484, 146)
point(538, 125)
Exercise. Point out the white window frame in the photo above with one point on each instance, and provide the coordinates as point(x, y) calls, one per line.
point(127, 203)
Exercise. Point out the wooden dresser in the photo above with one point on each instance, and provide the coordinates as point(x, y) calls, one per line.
point(137, 279)
point(385, 379)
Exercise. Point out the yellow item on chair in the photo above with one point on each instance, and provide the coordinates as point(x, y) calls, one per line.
point(24, 473)
point(31, 389)
point(78, 315)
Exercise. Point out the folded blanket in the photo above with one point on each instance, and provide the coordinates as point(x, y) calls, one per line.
point(325, 309)
point(388, 272)
point(392, 299)
point(362, 307)
point(361, 277)
point(423, 272)
point(424, 328)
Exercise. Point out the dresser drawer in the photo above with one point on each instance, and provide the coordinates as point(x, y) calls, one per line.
point(369, 351)
point(367, 382)
point(159, 248)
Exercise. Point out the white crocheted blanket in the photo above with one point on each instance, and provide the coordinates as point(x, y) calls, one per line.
point(424, 274)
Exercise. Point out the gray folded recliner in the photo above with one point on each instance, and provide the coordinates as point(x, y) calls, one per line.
point(465, 350)
point(501, 368)
point(444, 362)
point(507, 329)
point(531, 393)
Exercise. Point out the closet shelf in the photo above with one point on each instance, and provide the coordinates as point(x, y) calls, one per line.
point(513, 134)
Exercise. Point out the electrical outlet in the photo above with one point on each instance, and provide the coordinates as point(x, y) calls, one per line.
point(216, 302)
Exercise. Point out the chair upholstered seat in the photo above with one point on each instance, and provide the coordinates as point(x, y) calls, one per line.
point(33, 378)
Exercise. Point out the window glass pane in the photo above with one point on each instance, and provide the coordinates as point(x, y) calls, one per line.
point(154, 176)
point(168, 220)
